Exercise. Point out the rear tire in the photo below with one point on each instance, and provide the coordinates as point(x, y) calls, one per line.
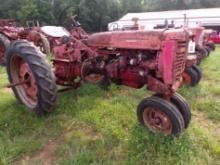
point(26, 63)
point(159, 115)
point(4, 44)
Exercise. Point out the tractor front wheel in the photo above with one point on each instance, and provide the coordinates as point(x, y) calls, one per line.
point(190, 76)
point(31, 77)
point(182, 106)
point(4, 44)
point(208, 50)
point(160, 116)
point(198, 71)
point(211, 46)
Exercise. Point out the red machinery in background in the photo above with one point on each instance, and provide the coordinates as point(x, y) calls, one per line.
point(208, 43)
point(10, 30)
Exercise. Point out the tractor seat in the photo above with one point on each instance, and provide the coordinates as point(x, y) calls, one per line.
point(55, 31)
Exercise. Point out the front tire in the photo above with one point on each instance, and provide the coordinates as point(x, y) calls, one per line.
point(211, 45)
point(182, 106)
point(25, 63)
point(207, 51)
point(198, 71)
point(190, 76)
point(160, 116)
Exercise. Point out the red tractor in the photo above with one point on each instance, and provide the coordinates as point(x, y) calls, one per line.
point(10, 30)
point(208, 43)
point(199, 39)
point(155, 59)
point(192, 73)
point(54, 34)
point(196, 52)
point(215, 37)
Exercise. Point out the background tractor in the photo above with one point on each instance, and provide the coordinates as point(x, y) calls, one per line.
point(208, 43)
point(10, 30)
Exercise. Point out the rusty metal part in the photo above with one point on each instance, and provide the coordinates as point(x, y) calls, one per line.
point(26, 87)
point(18, 83)
point(157, 121)
point(187, 79)
point(94, 78)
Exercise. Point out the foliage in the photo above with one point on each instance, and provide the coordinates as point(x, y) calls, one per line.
point(94, 14)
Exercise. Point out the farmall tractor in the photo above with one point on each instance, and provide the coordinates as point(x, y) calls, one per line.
point(198, 38)
point(192, 73)
point(11, 31)
point(196, 52)
point(155, 59)
point(208, 43)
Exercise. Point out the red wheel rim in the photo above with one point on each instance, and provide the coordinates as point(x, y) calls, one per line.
point(157, 121)
point(94, 78)
point(187, 79)
point(2, 52)
point(21, 72)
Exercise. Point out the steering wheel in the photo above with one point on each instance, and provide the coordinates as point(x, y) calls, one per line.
point(75, 20)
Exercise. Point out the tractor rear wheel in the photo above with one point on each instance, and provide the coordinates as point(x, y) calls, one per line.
point(198, 71)
point(31, 77)
point(4, 44)
point(160, 116)
point(190, 76)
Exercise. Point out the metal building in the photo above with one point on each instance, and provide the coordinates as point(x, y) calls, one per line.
point(209, 17)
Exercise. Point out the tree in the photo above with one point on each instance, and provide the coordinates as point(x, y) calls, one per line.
point(28, 11)
point(94, 14)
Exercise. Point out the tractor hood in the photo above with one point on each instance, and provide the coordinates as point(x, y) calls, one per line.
point(126, 39)
point(134, 39)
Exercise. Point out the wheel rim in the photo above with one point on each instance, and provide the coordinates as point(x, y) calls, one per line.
point(187, 79)
point(157, 121)
point(94, 78)
point(21, 72)
point(2, 52)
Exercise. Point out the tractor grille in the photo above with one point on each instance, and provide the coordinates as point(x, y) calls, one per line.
point(179, 61)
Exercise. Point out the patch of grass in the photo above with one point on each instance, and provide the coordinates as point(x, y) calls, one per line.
point(94, 126)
